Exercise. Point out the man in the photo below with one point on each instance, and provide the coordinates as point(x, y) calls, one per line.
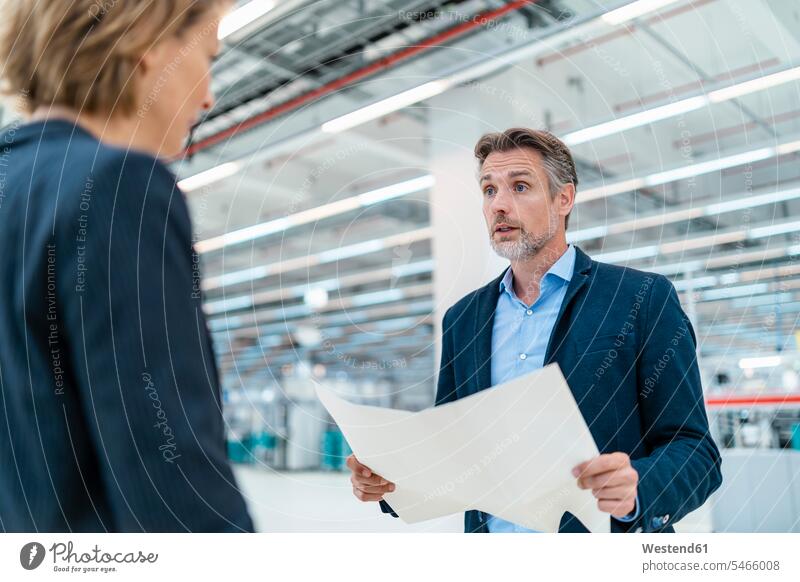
point(619, 335)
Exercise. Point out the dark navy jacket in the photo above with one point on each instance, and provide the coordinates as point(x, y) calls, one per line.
point(110, 403)
point(628, 353)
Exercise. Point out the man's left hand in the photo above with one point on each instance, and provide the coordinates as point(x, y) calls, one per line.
point(613, 482)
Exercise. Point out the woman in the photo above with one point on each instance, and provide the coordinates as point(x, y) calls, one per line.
point(110, 407)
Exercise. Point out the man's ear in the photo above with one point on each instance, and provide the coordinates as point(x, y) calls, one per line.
point(567, 199)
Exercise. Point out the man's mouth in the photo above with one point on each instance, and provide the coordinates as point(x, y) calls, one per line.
point(504, 228)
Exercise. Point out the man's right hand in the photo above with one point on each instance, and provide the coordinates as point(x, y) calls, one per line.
point(367, 486)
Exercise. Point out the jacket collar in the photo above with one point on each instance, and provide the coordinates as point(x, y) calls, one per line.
point(563, 269)
point(487, 303)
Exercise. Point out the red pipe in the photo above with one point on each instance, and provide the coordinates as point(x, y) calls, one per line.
point(624, 31)
point(760, 400)
point(580, 47)
point(734, 129)
point(379, 65)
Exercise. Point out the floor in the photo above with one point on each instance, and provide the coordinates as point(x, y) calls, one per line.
point(324, 502)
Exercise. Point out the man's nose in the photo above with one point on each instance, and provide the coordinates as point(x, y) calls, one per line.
point(501, 202)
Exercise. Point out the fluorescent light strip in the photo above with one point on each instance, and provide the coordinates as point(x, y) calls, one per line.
point(386, 106)
point(771, 300)
point(680, 245)
point(763, 362)
point(696, 283)
point(700, 168)
point(709, 166)
point(243, 16)
point(751, 291)
point(298, 291)
point(209, 176)
point(350, 251)
point(362, 300)
point(410, 338)
point(634, 10)
point(745, 324)
point(635, 120)
point(723, 238)
point(416, 309)
point(731, 292)
point(787, 148)
point(758, 84)
point(726, 279)
point(662, 112)
point(747, 294)
point(732, 259)
point(385, 296)
point(420, 310)
point(743, 331)
point(757, 312)
point(384, 326)
point(312, 215)
point(751, 202)
point(216, 308)
point(627, 254)
point(656, 220)
point(396, 190)
point(307, 262)
point(774, 229)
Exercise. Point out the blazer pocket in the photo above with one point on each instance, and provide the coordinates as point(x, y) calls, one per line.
point(603, 343)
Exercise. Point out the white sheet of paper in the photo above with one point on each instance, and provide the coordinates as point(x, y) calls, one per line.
point(507, 451)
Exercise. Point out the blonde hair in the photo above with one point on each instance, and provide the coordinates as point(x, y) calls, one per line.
point(83, 54)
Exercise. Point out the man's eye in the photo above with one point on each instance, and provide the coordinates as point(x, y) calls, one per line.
point(520, 187)
point(489, 191)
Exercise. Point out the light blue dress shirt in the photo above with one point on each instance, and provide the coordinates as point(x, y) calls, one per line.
point(520, 336)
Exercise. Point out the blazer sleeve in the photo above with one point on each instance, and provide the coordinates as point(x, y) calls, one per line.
point(145, 368)
point(446, 385)
point(682, 466)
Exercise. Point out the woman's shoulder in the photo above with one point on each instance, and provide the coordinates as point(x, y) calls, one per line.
point(131, 168)
point(63, 147)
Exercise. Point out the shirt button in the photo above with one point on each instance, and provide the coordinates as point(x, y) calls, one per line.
point(523, 356)
point(529, 312)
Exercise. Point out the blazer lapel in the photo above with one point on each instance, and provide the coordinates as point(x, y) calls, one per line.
point(583, 269)
point(484, 323)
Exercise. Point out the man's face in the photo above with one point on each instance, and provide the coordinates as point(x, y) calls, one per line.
point(519, 212)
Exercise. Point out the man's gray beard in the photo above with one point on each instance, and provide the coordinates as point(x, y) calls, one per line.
point(525, 247)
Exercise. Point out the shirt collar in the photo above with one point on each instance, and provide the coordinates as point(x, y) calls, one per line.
point(562, 268)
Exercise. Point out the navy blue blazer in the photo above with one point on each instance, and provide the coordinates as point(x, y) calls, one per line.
point(110, 408)
point(628, 352)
